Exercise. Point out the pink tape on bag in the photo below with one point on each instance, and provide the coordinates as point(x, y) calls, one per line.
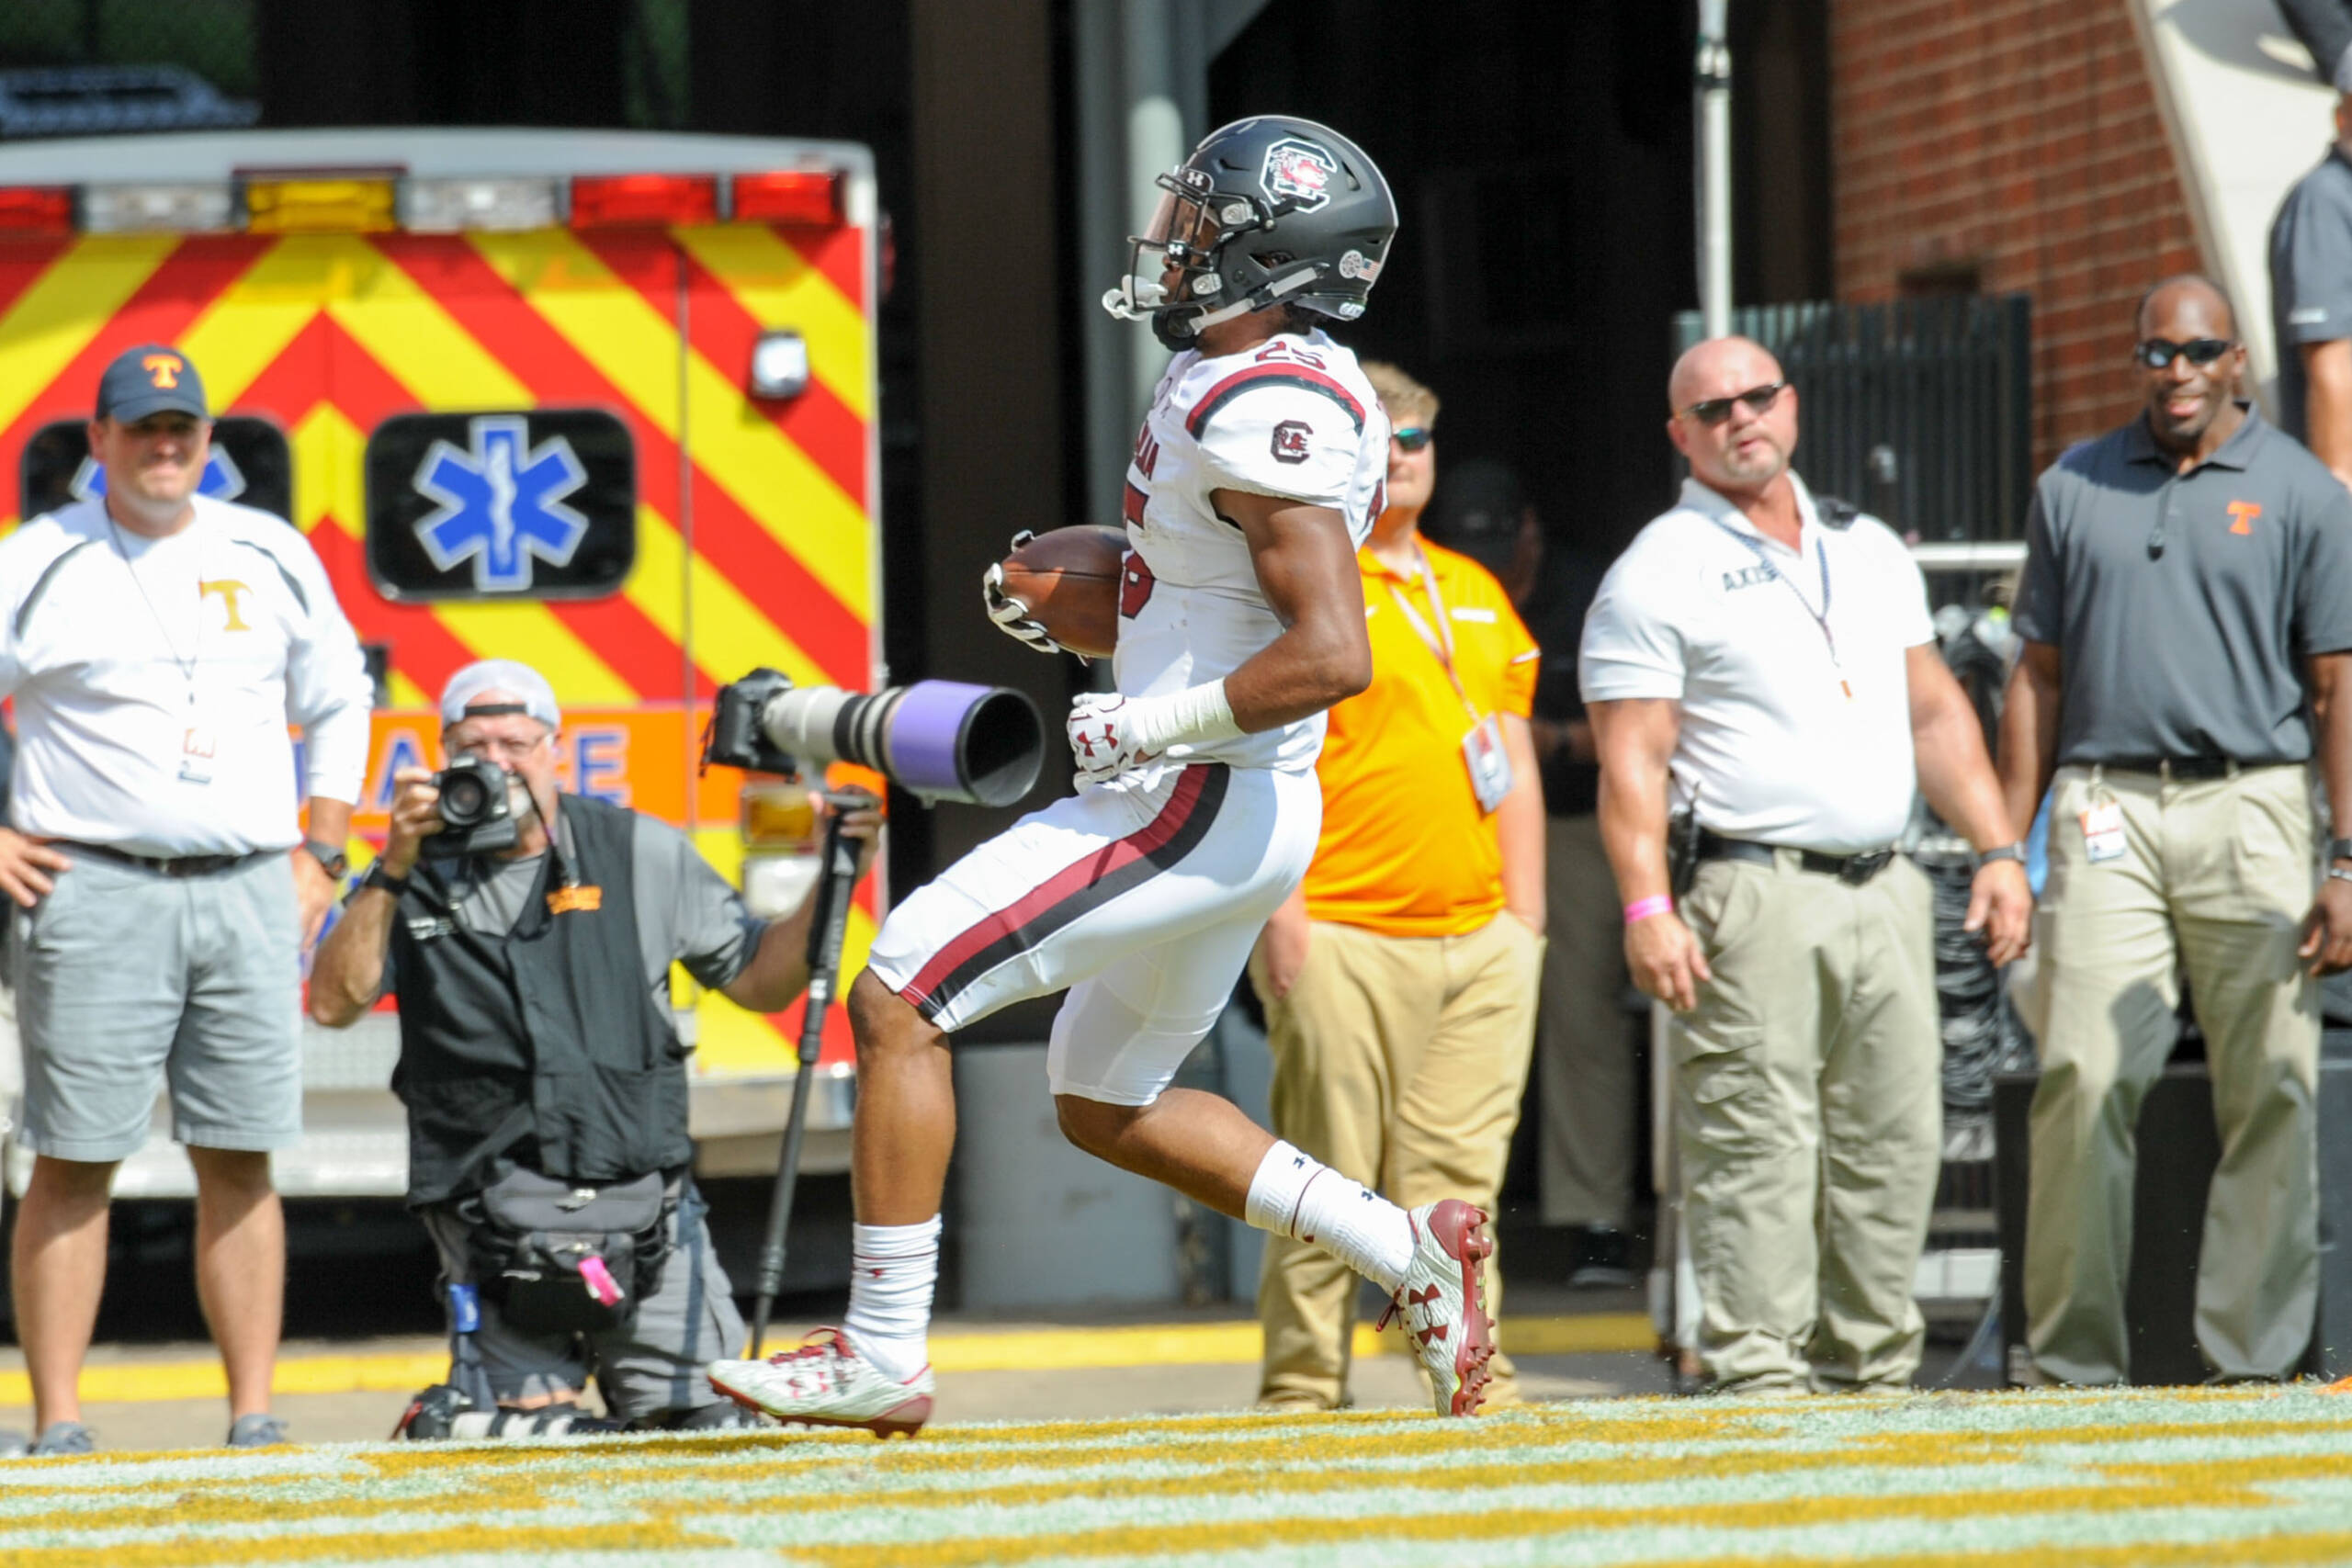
point(601, 1283)
point(1642, 909)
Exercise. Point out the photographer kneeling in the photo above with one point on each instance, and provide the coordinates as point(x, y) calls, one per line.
point(545, 1084)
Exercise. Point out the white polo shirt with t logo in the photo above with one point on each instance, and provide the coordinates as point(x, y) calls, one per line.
point(1790, 665)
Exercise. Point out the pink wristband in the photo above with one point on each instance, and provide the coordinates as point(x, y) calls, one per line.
point(1642, 909)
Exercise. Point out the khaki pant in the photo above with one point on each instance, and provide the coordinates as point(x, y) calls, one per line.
point(1808, 1108)
point(1586, 1043)
point(2215, 877)
point(1398, 1061)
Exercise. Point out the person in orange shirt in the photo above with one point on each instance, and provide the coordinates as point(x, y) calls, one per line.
point(1400, 980)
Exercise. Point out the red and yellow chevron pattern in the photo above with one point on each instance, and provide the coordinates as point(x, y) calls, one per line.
point(756, 539)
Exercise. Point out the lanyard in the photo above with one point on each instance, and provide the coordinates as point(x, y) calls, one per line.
point(1440, 642)
point(1821, 616)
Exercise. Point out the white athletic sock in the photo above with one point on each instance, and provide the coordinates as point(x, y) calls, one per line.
point(1295, 1195)
point(893, 1270)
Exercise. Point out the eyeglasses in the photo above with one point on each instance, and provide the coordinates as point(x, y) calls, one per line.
point(2158, 352)
point(491, 748)
point(1412, 438)
point(1715, 411)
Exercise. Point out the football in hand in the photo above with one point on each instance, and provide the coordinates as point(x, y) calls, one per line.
point(1069, 579)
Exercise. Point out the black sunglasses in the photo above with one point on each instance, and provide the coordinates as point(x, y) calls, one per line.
point(2158, 352)
point(1412, 438)
point(1715, 411)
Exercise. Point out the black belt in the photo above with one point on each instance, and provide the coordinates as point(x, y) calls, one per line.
point(2184, 767)
point(165, 865)
point(1852, 870)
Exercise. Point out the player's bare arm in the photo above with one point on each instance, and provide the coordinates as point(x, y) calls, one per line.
point(1307, 568)
point(1636, 737)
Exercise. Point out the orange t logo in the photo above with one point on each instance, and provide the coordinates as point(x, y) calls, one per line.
point(228, 588)
point(162, 369)
point(2241, 515)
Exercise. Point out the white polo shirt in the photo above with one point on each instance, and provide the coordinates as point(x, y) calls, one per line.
point(1791, 735)
point(154, 680)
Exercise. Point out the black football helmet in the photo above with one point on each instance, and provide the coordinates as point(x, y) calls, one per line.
point(1266, 212)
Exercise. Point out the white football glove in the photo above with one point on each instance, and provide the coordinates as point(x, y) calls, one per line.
point(1109, 733)
point(1011, 615)
point(1102, 737)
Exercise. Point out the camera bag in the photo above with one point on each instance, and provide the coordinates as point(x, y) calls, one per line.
point(532, 1236)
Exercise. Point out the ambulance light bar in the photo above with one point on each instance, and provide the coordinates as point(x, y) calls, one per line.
point(151, 209)
point(790, 196)
point(316, 201)
point(36, 209)
point(640, 202)
point(319, 205)
point(448, 207)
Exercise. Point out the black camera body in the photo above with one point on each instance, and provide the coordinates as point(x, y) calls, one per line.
point(738, 736)
point(475, 816)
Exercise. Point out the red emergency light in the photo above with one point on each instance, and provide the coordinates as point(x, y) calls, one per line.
point(790, 196)
point(36, 209)
point(638, 201)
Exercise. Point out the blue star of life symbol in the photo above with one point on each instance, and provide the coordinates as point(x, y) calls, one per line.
point(501, 503)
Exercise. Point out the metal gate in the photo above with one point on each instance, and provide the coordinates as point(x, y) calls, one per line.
point(1917, 410)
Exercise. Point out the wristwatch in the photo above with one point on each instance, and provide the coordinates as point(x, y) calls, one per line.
point(377, 877)
point(329, 856)
point(2339, 848)
point(2003, 852)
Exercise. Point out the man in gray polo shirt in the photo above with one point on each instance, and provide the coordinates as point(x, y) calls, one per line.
point(2311, 295)
point(584, 1080)
point(2188, 597)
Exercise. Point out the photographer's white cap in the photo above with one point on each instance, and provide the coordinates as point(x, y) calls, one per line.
point(499, 675)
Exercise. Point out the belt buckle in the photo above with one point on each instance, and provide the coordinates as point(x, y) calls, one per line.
point(1858, 869)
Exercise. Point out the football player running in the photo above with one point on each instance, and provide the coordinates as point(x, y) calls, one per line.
point(1256, 475)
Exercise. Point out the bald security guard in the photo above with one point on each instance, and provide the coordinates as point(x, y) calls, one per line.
point(2187, 600)
point(1769, 661)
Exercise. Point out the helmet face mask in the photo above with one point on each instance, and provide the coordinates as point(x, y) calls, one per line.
point(1266, 212)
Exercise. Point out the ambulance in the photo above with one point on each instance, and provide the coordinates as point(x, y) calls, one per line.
point(601, 401)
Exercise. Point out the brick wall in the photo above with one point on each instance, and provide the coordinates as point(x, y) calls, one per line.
point(2021, 139)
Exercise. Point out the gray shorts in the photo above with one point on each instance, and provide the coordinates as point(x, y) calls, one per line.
point(653, 1361)
point(128, 980)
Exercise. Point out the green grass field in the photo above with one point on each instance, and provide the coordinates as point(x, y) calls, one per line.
point(2125, 1478)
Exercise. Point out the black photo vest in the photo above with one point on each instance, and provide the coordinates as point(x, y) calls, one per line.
point(542, 1047)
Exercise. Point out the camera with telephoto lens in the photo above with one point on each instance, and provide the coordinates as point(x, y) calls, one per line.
point(938, 740)
point(476, 817)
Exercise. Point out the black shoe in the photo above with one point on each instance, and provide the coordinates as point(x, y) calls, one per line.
point(1601, 1259)
point(723, 1416)
point(441, 1412)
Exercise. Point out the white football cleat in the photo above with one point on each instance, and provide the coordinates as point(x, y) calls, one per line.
point(825, 1382)
point(1444, 1302)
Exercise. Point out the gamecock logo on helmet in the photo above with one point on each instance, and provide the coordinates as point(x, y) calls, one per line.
point(1298, 171)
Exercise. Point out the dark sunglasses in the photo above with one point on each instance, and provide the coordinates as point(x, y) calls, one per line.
point(1412, 438)
point(2158, 352)
point(1715, 411)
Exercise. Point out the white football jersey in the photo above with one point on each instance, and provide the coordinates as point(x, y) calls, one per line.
point(1293, 417)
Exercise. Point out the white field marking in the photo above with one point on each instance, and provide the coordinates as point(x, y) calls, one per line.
point(903, 1525)
point(2031, 1538)
point(2057, 1463)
